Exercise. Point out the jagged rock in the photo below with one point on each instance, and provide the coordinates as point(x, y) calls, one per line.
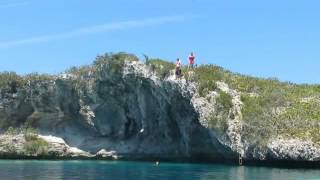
point(293, 149)
point(132, 113)
point(107, 154)
point(12, 144)
point(58, 147)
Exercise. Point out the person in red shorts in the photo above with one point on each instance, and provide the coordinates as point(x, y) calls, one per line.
point(191, 60)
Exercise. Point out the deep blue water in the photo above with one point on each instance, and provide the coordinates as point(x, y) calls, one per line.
point(92, 170)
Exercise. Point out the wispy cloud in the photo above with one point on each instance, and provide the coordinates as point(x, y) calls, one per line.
point(13, 4)
point(122, 25)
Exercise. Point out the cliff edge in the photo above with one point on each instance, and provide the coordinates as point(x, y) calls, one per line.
point(120, 107)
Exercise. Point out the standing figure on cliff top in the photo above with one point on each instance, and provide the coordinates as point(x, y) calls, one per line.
point(178, 68)
point(191, 60)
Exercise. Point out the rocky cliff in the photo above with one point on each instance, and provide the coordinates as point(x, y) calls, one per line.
point(120, 107)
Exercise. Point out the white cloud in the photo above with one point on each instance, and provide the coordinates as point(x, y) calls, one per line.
point(13, 4)
point(122, 25)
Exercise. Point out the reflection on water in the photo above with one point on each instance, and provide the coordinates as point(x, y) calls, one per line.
point(94, 170)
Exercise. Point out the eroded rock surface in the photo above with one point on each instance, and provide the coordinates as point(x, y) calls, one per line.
point(129, 113)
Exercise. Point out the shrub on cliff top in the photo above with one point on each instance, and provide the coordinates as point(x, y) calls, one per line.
point(298, 104)
point(112, 63)
point(110, 58)
point(11, 131)
point(161, 67)
point(225, 100)
point(204, 87)
point(262, 98)
point(38, 77)
point(11, 81)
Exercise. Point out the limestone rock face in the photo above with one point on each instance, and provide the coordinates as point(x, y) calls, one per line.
point(293, 149)
point(130, 113)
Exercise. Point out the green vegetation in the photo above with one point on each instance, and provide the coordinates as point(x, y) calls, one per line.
point(113, 62)
point(11, 131)
point(301, 120)
point(205, 86)
point(257, 117)
point(38, 77)
point(11, 82)
point(161, 67)
point(10, 148)
point(218, 120)
point(282, 111)
point(34, 145)
point(270, 108)
point(109, 63)
point(225, 100)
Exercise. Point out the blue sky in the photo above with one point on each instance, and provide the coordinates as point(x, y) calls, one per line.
point(265, 38)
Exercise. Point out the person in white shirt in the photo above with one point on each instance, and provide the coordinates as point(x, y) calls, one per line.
point(178, 68)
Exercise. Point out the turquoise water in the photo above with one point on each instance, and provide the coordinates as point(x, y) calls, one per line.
point(93, 170)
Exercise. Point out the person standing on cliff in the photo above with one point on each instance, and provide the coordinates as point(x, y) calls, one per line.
point(178, 68)
point(191, 60)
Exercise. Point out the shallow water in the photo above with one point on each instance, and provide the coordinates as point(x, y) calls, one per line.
point(92, 170)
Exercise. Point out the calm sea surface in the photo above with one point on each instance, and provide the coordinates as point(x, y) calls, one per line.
point(92, 170)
